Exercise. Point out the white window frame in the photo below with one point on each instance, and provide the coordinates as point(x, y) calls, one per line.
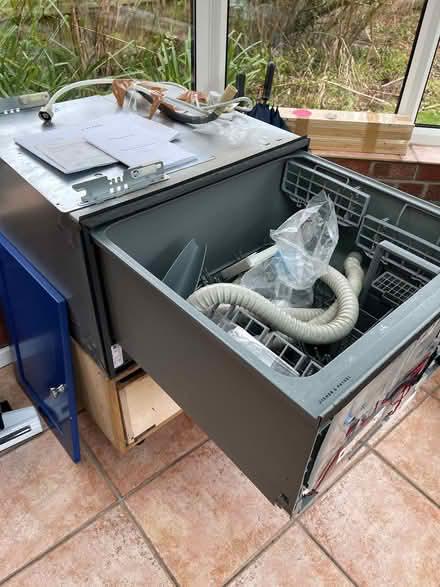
point(211, 43)
point(211, 30)
point(418, 74)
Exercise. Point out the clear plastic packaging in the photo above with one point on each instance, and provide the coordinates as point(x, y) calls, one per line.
point(257, 348)
point(305, 243)
point(271, 279)
point(232, 129)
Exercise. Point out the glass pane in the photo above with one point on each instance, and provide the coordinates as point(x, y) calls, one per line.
point(429, 112)
point(45, 44)
point(330, 54)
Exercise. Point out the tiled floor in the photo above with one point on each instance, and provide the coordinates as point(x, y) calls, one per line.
point(175, 510)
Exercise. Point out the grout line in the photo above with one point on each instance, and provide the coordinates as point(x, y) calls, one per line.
point(405, 477)
point(150, 544)
point(259, 552)
point(101, 469)
point(336, 480)
point(296, 519)
point(65, 539)
point(327, 553)
point(145, 482)
point(368, 449)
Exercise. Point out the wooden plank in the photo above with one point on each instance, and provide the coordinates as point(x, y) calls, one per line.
point(355, 146)
point(145, 406)
point(352, 131)
point(99, 395)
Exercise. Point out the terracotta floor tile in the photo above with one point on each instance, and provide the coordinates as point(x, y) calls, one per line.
point(44, 496)
point(293, 560)
point(379, 528)
point(413, 448)
point(205, 518)
point(156, 452)
point(110, 552)
point(431, 384)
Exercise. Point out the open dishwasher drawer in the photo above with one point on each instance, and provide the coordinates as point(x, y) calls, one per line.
point(285, 432)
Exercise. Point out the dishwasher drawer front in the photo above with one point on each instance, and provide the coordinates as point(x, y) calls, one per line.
point(263, 432)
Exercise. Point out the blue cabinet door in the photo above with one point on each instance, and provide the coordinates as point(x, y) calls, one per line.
point(38, 324)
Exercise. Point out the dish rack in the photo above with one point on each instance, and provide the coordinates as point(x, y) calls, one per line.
point(276, 345)
point(401, 263)
point(301, 183)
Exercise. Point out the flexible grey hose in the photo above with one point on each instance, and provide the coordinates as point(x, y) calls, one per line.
point(347, 309)
point(355, 277)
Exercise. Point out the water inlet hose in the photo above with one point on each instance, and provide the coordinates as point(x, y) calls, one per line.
point(345, 308)
point(355, 276)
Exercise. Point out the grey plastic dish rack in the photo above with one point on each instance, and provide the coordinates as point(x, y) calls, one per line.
point(301, 364)
point(273, 426)
point(302, 183)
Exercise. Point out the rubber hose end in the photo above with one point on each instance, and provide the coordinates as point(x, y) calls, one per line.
point(356, 256)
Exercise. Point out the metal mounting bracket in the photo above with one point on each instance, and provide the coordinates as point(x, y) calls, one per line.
point(103, 188)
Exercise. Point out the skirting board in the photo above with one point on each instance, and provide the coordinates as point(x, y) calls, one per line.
point(6, 356)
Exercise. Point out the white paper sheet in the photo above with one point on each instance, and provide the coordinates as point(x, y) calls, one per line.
point(134, 144)
point(65, 148)
point(68, 150)
point(130, 129)
point(171, 155)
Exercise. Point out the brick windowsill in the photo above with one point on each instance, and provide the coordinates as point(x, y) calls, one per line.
point(417, 172)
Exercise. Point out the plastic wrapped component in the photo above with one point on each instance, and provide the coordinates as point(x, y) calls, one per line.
point(305, 243)
point(272, 279)
point(257, 348)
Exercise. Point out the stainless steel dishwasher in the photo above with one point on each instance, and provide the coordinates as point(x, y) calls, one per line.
point(285, 432)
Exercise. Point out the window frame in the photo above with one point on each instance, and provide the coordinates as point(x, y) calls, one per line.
point(210, 22)
point(210, 18)
point(419, 69)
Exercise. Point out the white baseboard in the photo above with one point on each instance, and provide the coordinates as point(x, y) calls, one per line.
point(6, 356)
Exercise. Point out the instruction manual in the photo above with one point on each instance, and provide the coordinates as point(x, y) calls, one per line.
point(134, 144)
point(68, 148)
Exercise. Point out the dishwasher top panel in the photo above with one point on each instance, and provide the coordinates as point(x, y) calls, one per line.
point(221, 143)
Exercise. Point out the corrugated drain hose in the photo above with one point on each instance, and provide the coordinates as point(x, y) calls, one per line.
point(355, 276)
point(341, 316)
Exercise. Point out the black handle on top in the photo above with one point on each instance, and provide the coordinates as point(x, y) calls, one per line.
point(268, 81)
point(240, 84)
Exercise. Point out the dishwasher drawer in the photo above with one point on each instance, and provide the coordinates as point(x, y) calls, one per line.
point(281, 430)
